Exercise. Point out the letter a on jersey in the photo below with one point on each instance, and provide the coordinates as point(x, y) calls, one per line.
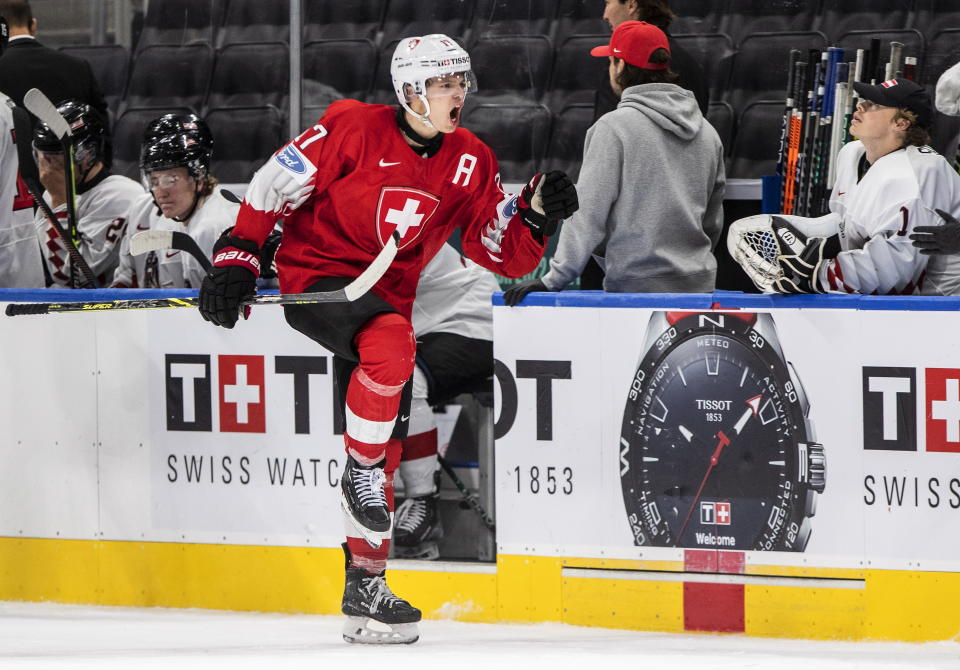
point(406, 210)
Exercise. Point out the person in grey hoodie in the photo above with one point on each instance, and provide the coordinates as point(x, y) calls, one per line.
point(651, 185)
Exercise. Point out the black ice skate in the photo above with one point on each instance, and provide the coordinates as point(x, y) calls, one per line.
point(374, 614)
point(364, 500)
point(417, 528)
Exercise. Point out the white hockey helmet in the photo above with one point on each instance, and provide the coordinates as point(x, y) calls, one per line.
point(419, 59)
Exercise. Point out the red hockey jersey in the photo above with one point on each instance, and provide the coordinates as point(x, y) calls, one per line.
point(347, 183)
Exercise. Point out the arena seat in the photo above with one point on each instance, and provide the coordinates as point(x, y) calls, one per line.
point(760, 66)
point(744, 17)
point(424, 17)
point(757, 140)
point(565, 150)
point(255, 21)
point(128, 137)
point(254, 132)
point(170, 75)
point(576, 74)
point(723, 119)
point(382, 89)
point(517, 133)
point(841, 16)
point(714, 52)
point(324, 20)
point(251, 74)
point(513, 67)
point(111, 66)
point(580, 17)
point(697, 16)
point(346, 66)
point(932, 16)
point(510, 17)
point(943, 51)
point(180, 22)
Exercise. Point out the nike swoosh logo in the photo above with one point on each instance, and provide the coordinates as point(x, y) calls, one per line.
point(404, 418)
point(383, 164)
point(841, 193)
point(171, 255)
point(139, 227)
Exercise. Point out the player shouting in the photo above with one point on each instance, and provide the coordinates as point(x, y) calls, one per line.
point(344, 187)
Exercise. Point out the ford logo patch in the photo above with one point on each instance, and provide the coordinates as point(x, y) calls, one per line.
point(510, 208)
point(291, 160)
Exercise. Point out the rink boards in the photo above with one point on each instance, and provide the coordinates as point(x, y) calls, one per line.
point(151, 459)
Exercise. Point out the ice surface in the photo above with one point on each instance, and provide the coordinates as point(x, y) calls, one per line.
point(46, 635)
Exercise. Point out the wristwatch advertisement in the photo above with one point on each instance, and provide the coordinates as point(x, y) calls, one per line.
point(717, 448)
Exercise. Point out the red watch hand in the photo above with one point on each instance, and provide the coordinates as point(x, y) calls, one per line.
point(723, 441)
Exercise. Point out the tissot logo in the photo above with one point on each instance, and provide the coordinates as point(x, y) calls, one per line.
point(242, 391)
point(715, 513)
point(890, 409)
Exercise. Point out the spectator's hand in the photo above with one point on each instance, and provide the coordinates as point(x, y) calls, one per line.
point(516, 293)
point(52, 176)
point(943, 239)
point(233, 279)
point(545, 201)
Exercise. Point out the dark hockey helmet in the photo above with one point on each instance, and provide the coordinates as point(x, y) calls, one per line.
point(176, 150)
point(170, 124)
point(86, 125)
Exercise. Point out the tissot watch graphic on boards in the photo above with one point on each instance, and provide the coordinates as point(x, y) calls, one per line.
point(717, 449)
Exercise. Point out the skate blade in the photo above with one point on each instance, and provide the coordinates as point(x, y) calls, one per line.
point(362, 630)
point(373, 538)
point(426, 551)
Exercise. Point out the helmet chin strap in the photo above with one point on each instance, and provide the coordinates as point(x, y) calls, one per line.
point(431, 145)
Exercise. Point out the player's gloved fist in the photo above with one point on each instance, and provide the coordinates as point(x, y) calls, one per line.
point(516, 293)
point(943, 239)
point(233, 279)
point(800, 259)
point(268, 255)
point(546, 200)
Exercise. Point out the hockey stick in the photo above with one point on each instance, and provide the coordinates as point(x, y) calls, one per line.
point(355, 289)
point(41, 107)
point(470, 498)
point(31, 177)
point(156, 240)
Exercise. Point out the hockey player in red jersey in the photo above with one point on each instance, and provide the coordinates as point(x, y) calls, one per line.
point(343, 187)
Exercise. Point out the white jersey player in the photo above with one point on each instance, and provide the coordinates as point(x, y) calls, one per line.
point(173, 268)
point(453, 324)
point(102, 202)
point(175, 166)
point(20, 262)
point(888, 183)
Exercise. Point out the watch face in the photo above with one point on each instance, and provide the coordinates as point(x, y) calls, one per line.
point(713, 437)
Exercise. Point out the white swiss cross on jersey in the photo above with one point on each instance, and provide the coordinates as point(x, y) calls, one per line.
point(406, 210)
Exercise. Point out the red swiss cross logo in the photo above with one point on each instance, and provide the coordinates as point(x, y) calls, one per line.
point(406, 210)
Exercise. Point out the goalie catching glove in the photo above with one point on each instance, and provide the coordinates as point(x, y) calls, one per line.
point(545, 201)
point(233, 279)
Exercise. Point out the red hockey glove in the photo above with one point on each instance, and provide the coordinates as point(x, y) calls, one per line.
point(545, 201)
point(233, 279)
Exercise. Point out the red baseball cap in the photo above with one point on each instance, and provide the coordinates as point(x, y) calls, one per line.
point(634, 41)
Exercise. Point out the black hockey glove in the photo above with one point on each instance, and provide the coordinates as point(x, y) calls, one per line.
point(233, 279)
point(800, 259)
point(268, 255)
point(943, 239)
point(516, 293)
point(545, 201)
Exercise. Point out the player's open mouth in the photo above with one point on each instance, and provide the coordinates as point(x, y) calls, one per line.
point(455, 115)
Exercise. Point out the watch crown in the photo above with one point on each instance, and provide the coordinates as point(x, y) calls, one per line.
point(816, 467)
